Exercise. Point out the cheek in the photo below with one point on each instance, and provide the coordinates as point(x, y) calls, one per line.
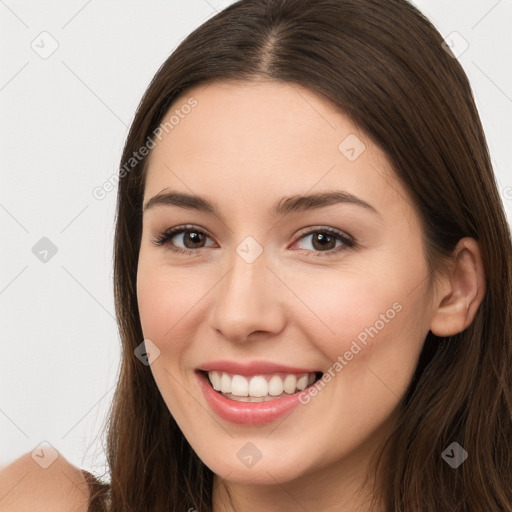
point(167, 301)
point(367, 318)
point(354, 306)
point(155, 296)
point(166, 296)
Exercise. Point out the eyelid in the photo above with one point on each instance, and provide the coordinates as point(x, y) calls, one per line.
point(323, 229)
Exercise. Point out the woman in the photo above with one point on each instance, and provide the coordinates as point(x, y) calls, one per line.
point(312, 273)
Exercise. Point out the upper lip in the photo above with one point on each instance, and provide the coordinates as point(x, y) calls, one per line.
point(252, 367)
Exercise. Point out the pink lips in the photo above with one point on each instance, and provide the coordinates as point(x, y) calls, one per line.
point(248, 413)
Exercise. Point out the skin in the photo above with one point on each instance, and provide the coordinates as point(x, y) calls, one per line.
point(245, 146)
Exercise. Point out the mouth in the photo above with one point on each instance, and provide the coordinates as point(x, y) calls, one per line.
point(261, 387)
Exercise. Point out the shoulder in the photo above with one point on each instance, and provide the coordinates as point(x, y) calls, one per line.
point(25, 486)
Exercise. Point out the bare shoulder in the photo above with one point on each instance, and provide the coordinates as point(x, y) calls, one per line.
point(25, 486)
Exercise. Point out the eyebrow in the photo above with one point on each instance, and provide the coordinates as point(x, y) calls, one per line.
point(286, 205)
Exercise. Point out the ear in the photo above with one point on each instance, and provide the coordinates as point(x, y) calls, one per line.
point(461, 290)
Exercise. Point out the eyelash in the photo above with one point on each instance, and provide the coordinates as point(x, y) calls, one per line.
point(166, 236)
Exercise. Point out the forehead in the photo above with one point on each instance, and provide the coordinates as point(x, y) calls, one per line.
point(242, 114)
point(246, 142)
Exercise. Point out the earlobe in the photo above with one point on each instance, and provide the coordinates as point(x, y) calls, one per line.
point(461, 292)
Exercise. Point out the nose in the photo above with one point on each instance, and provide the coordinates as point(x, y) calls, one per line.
point(248, 302)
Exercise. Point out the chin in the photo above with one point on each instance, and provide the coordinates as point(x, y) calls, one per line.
point(261, 473)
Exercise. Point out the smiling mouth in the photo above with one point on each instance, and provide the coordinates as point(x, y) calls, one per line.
point(259, 387)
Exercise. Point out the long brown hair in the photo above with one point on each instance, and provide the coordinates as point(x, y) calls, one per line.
point(385, 66)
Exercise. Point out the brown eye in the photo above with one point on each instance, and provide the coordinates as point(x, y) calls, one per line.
point(321, 241)
point(191, 238)
point(326, 240)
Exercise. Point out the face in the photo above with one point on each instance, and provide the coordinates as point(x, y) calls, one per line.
point(268, 293)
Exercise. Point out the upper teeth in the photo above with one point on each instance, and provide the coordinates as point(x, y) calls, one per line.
point(260, 385)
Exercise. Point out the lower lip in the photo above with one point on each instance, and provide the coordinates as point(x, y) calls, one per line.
point(247, 413)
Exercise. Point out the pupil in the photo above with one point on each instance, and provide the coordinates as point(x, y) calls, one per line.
point(194, 237)
point(323, 240)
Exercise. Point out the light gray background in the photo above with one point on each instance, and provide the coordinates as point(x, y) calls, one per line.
point(63, 123)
